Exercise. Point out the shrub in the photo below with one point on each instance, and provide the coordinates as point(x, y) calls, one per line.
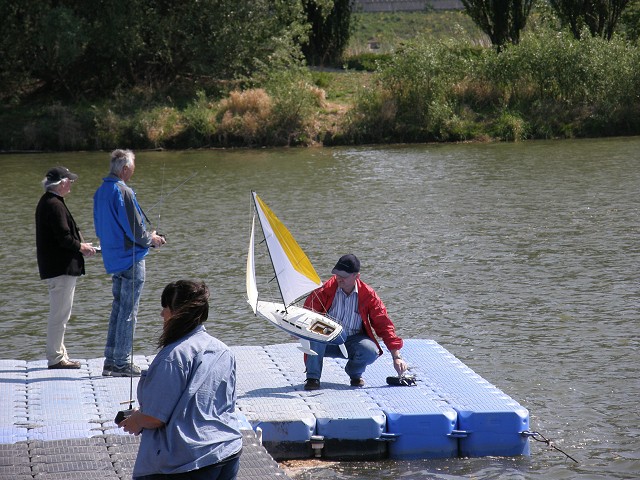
point(296, 102)
point(158, 127)
point(510, 126)
point(417, 89)
point(108, 128)
point(244, 117)
point(373, 118)
point(321, 79)
point(557, 85)
point(200, 122)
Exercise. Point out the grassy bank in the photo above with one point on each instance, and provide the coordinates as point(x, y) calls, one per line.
point(385, 31)
point(417, 85)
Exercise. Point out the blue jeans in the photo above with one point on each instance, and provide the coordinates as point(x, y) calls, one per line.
point(362, 351)
point(127, 287)
point(225, 470)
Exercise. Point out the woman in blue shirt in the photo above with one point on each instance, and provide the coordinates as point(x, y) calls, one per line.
point(187, 397)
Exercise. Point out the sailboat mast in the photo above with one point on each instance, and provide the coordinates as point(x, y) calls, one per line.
point(255, 206)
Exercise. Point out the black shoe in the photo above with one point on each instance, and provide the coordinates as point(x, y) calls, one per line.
point(129, 370)
point(357, 382)
point(66, 364)
point(312, 384)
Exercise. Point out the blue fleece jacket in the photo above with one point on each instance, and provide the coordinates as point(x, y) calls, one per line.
point(119, 224)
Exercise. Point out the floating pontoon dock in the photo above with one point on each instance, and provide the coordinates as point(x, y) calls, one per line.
point(59, 423)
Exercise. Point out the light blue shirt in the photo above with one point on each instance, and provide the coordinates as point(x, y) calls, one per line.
point(344, 310)
point(191, 387)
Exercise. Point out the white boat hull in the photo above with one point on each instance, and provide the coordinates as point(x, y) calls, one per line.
point(302, 323)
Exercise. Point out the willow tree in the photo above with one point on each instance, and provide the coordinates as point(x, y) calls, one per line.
point(600, 17)
point(501, 20)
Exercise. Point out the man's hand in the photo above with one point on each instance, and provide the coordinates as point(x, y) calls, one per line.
point(398, 362)
point(157, 240)
point(87, 250)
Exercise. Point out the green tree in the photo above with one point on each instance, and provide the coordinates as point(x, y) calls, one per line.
point(331, 26)
point(600, 17)
point(501, 20)
point(61, 42)
point(96, 48)
point(18, 28)
point(630, 21)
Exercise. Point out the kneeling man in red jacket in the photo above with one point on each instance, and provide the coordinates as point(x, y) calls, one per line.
point(356, 306)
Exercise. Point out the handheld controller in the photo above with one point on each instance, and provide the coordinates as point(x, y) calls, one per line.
point(122, 414)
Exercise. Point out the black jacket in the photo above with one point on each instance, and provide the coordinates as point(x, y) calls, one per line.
point(57, 239)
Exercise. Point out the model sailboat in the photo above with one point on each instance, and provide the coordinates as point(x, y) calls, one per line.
point(296, 278)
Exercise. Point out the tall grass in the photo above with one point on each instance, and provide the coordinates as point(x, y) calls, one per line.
point(385, 31)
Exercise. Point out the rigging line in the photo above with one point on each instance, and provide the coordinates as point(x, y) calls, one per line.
point(322, 304)
point(538, 437)
point(147, 218)
point(163, 197)
point(132, 318)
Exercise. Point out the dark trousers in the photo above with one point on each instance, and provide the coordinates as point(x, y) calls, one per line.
point(225, 470)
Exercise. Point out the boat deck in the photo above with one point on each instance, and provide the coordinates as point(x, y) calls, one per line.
point(59, 423)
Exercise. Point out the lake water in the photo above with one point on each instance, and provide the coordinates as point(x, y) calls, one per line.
point(521, 259)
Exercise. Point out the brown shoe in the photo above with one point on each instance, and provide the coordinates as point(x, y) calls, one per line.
point(357, 382)
point(65, 364)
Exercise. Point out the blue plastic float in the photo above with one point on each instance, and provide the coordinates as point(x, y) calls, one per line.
point(451, 412)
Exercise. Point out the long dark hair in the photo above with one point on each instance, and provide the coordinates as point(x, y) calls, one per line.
point(189, 305)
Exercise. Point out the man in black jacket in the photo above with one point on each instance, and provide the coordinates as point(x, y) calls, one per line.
point(61, 251)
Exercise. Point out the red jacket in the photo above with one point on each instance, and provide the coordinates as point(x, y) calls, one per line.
point(372, 311)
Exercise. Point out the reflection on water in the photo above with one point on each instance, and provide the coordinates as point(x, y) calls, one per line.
point(521, 259)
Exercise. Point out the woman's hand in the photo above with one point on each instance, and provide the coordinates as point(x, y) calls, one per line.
point(138, 421)
point(130, 424)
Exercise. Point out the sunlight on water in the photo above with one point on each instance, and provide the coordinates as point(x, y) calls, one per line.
point(521, 259)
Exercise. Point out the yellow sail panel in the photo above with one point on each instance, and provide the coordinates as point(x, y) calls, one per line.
point(296, 275)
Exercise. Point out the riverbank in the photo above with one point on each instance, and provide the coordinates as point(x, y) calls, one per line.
point(406, 78)
point(429, 93)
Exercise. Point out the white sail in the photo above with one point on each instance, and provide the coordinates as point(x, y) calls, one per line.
point(293, 269)
point(296, 278)
point(252, 288)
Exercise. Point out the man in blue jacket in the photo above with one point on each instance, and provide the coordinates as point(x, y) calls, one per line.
point(125, 242)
